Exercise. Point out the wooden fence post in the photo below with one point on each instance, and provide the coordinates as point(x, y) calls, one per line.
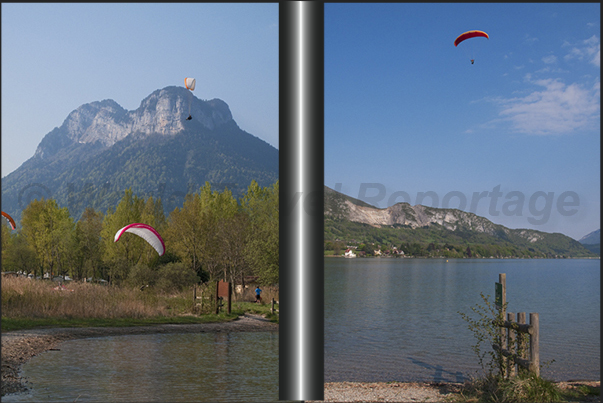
point(195, 298)
point(272, 306)
point(229, 297)
point(502, 279)
point(534, 345)
point(512, 347)
point(522, 342)
point(217, 297)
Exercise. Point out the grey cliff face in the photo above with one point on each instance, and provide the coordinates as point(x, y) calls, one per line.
point(422, 216)
point(106, 122)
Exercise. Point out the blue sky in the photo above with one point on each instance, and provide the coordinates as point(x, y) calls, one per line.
point(57, 57)
point(407, 116)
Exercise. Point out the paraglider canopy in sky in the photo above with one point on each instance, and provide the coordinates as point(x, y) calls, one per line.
point(468, 35)
point(10, 220)
point(471, 49)
point(189, 83)
point(147, 233)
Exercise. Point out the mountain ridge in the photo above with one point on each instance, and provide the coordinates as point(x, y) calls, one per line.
point(355, 220)
point(101, 149)
point(591, 238)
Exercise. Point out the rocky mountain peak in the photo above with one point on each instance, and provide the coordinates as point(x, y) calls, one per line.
point(105, 122)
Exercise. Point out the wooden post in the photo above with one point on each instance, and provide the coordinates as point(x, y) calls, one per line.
point(272, 307)
point(512, 348)
point(502, 279)
point(229, 297)
point(534, 345)
point(194, 298)
point(522, 339)
point(217, 297)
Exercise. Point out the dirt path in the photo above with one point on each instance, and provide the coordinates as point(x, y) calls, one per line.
point(19, 346)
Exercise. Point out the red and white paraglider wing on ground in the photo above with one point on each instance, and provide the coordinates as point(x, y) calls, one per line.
point(10, 220)
point(147, 233)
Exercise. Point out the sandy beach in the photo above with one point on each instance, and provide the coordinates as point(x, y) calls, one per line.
point(19, 346)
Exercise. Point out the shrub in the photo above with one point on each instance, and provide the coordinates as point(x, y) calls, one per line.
point(525, 387)
point(175, 277)
point(141, 275)
point(495, 386)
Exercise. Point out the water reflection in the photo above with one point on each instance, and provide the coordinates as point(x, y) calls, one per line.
point(202, 367)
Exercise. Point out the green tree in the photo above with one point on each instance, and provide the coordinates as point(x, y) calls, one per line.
point(218, 210)
point(185, 231)
point(175, 277)
point(17, 254)
point(88, 244)
point(262, 250)
point(7, 240)
point(129, 251)
point(48, 230)
point(232, 233)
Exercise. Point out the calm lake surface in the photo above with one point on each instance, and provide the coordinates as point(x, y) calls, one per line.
point(199, 367)
point(390, 319)
point(385, 320)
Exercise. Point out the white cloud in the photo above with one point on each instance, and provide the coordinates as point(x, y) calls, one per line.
point(556, 109)
point(551, 59)
point(589, 49)
point(530, 39)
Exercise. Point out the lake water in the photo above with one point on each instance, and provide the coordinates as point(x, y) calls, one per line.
point(397, 319)
point(199, 367)
point(385, 320)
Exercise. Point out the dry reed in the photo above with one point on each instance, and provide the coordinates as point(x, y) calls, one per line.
point(22, 297)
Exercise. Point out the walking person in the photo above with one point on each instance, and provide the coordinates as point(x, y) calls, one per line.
point(258, 298)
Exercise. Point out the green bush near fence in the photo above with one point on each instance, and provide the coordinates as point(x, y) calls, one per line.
point(525, 387)
point(493, 385)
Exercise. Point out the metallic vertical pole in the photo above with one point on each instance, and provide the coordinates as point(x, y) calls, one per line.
point(301, 173)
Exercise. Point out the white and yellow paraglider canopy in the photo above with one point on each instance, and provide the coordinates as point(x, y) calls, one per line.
point(189, 83)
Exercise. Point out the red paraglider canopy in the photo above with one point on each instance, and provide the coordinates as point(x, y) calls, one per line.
point(146, 232)
point(470, 34)
point(10, 220)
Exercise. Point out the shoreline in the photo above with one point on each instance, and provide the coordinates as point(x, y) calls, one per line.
point(19, 346)
point(466, 258)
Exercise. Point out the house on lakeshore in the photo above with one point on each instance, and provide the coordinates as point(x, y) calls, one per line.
point(349, 253)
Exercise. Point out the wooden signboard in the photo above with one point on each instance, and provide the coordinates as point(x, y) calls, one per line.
point(223, 290)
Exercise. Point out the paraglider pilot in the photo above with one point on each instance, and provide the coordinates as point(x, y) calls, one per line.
point(190, 117)
point(471, 63)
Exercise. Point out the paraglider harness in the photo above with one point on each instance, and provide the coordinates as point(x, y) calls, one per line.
point(189, 117)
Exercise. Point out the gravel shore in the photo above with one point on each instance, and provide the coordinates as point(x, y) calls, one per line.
point(19, 346)
point(413, 391)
